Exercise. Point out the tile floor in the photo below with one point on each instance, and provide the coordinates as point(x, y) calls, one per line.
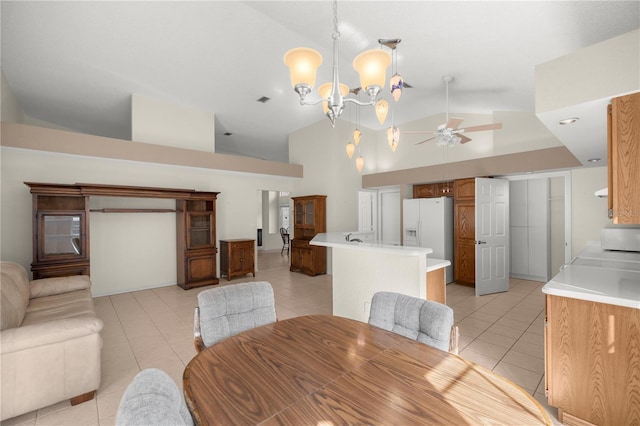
point(153, 328)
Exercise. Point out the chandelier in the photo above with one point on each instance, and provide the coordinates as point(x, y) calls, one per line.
point(371, 66)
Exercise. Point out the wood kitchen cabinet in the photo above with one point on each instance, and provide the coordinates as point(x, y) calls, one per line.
point(309, 219)
point(624, 159)
point(464, 231)
point(592, 361)
point(196, 240)
point(432, 190)
point(237, 258)
point(60, 231)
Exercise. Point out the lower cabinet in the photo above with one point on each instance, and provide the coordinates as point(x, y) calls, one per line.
point(199, 269)
point(592, 361)
point(307, 258)
point(237, 258)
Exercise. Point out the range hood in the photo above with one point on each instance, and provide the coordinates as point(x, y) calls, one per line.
point(602, 193)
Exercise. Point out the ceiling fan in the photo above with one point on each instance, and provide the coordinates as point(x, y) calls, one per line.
point(448, 134)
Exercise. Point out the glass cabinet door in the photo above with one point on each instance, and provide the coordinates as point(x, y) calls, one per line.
point(60, 235)
point(199, 229)
point(299, 212)
point(309, 212)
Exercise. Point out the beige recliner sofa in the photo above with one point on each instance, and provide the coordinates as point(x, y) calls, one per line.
point(49, 341)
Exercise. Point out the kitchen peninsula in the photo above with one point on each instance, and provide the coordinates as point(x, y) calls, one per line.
point(361, 269)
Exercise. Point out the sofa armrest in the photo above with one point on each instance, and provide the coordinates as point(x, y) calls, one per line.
point(50, 286)
point(50, 332)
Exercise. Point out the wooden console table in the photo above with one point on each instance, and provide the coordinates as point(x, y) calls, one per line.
point(61, 228)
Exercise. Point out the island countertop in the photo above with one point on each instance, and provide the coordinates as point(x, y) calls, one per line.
point(337, 239)
point(600, 276)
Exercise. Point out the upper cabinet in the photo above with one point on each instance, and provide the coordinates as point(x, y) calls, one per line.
point(309, 213)
point(624, 159)
point(431, 190)
point(60, 231)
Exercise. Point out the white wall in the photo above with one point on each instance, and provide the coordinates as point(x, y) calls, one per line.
point(164, 123)
point(328, 170)
point(588, 213)
point(128, 251)
point(9, 108)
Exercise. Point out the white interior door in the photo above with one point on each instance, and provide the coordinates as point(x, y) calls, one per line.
point(366, 210)
point(492, 236)
point(389, 216)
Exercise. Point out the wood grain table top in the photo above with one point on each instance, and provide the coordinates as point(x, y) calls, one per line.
point(327, 370)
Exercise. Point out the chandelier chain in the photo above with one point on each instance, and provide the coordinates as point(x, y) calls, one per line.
point(336, 33)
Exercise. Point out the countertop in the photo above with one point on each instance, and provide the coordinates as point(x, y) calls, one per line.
point(337, 239)
point(600, 276)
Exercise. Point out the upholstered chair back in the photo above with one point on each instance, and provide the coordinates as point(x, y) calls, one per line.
point(418, 319)
point(228, 310)
point(153, 398)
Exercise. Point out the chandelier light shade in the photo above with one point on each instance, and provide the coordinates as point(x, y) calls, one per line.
point(382, 108)
point(325, 91)
point(359, 163)
point(351, 148)
point(357, 134)
point(372, 67)
point(303, 64)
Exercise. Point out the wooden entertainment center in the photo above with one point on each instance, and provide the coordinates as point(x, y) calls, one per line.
point(61, 228)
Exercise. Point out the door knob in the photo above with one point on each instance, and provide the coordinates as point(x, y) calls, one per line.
point(481, 242)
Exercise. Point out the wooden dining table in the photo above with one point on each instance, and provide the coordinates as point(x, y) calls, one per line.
point(327, 370)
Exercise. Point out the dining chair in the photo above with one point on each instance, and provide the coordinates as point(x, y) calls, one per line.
point(284, 233)
point(153, 398)
point(231, 309)
point(422, 320)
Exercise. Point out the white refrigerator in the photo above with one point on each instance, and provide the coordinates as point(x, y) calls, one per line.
point(428, 222)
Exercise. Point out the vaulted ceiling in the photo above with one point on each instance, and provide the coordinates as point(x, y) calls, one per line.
point(76, 64)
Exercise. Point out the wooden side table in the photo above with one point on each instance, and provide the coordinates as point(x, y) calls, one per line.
point(237, 257)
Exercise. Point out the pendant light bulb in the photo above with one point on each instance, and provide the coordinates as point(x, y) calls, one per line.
point(357, 134)
point(351, 148)
point(396, 84)
point(393, 137)
point(382, 108)
point(359, 163)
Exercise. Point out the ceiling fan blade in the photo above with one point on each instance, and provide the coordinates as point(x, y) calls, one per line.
point(494, 126)
point(464, 139)
point(453, 123)
point(418, 132)
point(426, 140)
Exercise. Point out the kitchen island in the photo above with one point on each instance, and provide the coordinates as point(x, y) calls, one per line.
point(361, 269)
point(592, 338)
